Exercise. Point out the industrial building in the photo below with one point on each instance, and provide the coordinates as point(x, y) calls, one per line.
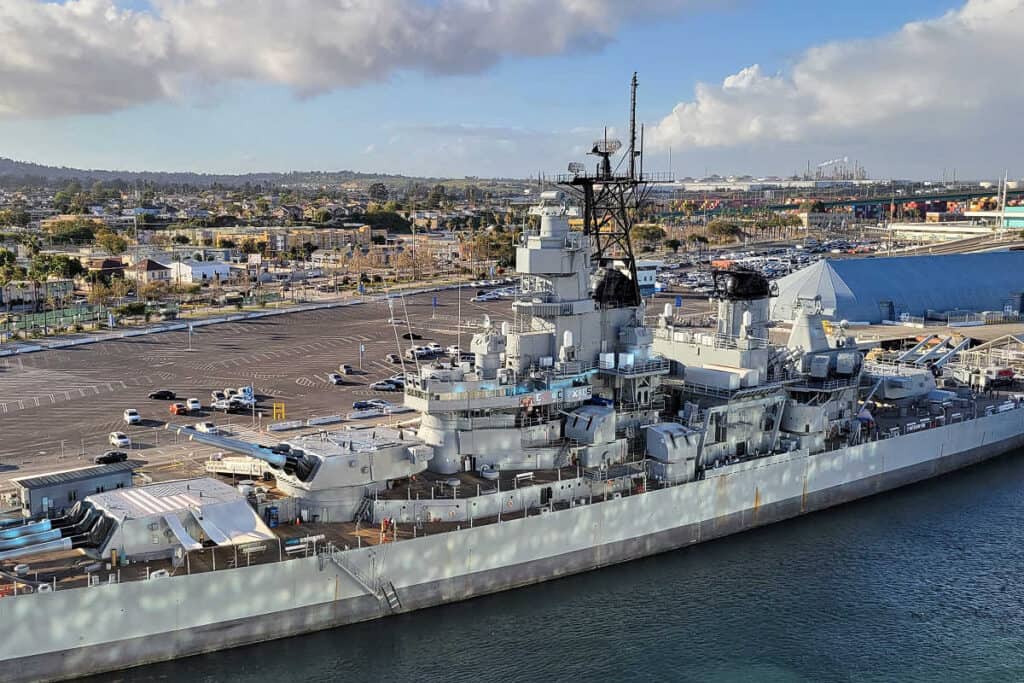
point(54, 492)
point(875, 289)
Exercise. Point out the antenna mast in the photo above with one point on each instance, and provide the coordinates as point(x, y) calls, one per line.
point(632, 127)
point(612, 200)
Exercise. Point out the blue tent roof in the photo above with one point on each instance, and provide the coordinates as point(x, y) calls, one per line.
point(854, 289)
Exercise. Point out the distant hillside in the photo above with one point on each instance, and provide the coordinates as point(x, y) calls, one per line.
point(15, 173)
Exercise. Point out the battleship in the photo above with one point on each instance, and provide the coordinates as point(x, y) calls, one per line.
point(583, 432)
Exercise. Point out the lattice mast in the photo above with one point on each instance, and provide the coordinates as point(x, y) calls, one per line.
point(612, 199)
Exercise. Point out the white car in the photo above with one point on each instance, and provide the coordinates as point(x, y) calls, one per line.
point(394, 321)
point(453, 350)
point(119, 440)
point(434, 346)
point(193, 405)
point(335, 378)
point(206, 428)
point(131, 416)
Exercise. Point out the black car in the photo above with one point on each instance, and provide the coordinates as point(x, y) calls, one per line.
point(110, 457)
point(162, 395)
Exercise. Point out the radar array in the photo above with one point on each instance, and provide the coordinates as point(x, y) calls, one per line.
point(612, 201)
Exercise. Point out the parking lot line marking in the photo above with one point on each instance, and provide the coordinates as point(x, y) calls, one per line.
point(4, 406)
point(67, 395)
point(21, 405)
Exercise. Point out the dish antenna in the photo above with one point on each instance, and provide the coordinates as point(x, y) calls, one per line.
point(605, 148)
point(576, 168)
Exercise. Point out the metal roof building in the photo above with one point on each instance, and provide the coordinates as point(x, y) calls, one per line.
point(875, 289)
point(55, 491)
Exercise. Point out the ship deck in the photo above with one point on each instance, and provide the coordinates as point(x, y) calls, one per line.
point(429, 485)
point(73, 568)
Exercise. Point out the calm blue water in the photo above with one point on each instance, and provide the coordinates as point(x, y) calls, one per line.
point(922, 584)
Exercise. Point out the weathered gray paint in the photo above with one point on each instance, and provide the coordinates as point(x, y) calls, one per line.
point(90, 630)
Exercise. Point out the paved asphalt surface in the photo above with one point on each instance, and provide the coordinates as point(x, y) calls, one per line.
point(58, 407)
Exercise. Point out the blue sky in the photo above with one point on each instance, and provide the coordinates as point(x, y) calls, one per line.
point(522, 114)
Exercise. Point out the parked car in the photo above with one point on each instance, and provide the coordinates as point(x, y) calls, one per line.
point(394, 321)
point(206, 427)
point(217, 396)
point(110, 457)
point(434, 347)
point(371, 404)
point(335, 378)
point(393, 358)
point(193, 405)
point(119, 440)
point(131, 416)
point(229, 392)
point(362, 405)
point(346, 369)
point(453, 350)
point(384, 385)
point(162, 395)
point(178, 409)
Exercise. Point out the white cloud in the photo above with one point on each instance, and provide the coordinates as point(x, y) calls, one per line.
point(945, 80)
point(86, 56)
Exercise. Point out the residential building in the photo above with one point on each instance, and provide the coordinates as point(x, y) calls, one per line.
point(148, 271)
point(194, 272)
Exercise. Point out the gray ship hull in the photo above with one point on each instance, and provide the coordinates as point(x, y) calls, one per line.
point(74, 632)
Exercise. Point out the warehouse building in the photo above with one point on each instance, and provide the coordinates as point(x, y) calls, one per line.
point(875, 289)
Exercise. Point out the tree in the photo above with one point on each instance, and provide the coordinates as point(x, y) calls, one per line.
point(111, 242)
point(378, 192)
point(673, 244)
point(647, 232)
point(120, 288)
point(153, 291)
point(437, 197)
point(16, 216)
point(99, 294)
point(56, 265)
point(723, 229)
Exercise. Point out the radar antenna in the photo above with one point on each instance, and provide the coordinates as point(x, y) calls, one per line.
point(605, 148)
point(612, 201)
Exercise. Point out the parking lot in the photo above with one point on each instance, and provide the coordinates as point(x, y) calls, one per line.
point(58, 407)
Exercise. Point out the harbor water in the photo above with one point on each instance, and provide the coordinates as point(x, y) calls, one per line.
point(921, 584)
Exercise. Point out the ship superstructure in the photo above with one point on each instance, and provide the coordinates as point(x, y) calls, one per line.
point(572, 380)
